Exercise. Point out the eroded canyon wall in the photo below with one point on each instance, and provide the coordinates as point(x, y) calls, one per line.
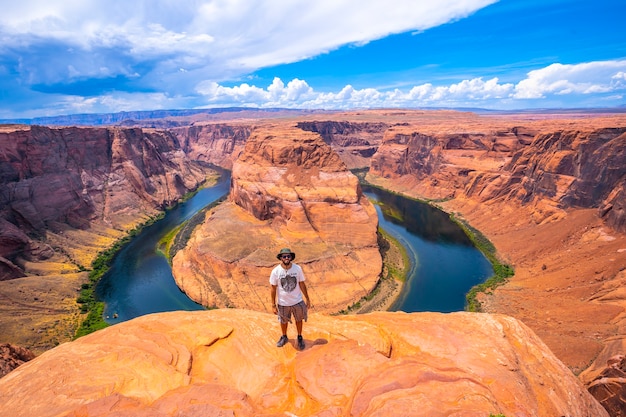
point(58, 184)
point(549, 193)
point(551, 171)
point(216, 143)
point(439, 165)
point(355, 142)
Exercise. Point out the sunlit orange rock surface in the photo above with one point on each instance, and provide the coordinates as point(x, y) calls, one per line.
point(289, 189)
point(225, 362)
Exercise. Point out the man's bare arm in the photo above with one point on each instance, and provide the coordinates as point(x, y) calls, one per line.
point(305, 293)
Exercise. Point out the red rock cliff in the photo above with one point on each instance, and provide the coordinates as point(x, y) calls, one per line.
point(585, 169)
point(439, 164)
point(354, 142)
point(218, 144)
point(57, 180)
point(553, 171)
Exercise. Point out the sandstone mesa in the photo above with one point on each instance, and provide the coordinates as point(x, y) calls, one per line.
point(288, 189)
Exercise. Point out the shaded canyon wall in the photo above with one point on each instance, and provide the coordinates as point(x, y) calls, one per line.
point(552, 171)
point(58, 180)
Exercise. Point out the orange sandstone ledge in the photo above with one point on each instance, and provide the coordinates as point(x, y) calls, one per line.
point(225, 362)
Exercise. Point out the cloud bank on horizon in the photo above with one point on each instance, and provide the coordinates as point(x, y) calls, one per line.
point(75, 56)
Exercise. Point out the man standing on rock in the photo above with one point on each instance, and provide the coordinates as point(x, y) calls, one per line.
point(287, 279)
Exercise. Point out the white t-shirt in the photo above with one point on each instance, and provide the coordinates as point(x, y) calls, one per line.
point(287, 284)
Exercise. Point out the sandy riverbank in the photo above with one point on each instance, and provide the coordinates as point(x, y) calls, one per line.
point(389, 288)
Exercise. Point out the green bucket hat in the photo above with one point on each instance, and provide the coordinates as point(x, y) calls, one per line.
point(286, 251)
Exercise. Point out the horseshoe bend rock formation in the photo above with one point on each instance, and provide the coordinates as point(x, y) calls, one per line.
point(289, 189)
point(225, 362)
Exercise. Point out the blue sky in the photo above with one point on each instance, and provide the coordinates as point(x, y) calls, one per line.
point(80, 56)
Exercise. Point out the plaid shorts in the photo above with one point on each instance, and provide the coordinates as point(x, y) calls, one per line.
point(299, 311)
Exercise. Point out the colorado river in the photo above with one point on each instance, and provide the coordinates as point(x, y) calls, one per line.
point(140, 280)
point(444, 263)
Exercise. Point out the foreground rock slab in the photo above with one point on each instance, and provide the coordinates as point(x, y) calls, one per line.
point(225, 362)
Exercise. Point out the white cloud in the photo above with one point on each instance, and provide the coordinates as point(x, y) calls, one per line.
point(223, 38)
point(605, 81)
point(118, 101)
point(585, 78)
point(604, 77)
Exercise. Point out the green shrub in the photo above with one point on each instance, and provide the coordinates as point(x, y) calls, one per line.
point(93, 321)
point(87, 298)
point(501, 271)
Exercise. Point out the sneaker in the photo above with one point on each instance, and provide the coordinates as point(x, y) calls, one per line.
point(300, 343)
point(282, 341)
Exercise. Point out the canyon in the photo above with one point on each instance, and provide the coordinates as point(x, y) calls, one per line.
point(546, 189)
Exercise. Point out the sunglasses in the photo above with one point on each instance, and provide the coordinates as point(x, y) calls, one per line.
point(286, 256)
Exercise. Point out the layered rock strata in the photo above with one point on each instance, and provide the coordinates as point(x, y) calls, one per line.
point(440, 164)
point(564, 169)
point(225, 362)
point(354, 142)
point(216, 143)
point(289, 189)
point(58, 182)
point(552, 171)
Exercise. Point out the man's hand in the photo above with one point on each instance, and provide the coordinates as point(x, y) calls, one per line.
point(274, 309)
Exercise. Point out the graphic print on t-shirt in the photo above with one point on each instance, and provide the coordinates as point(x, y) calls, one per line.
point(288, 282)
